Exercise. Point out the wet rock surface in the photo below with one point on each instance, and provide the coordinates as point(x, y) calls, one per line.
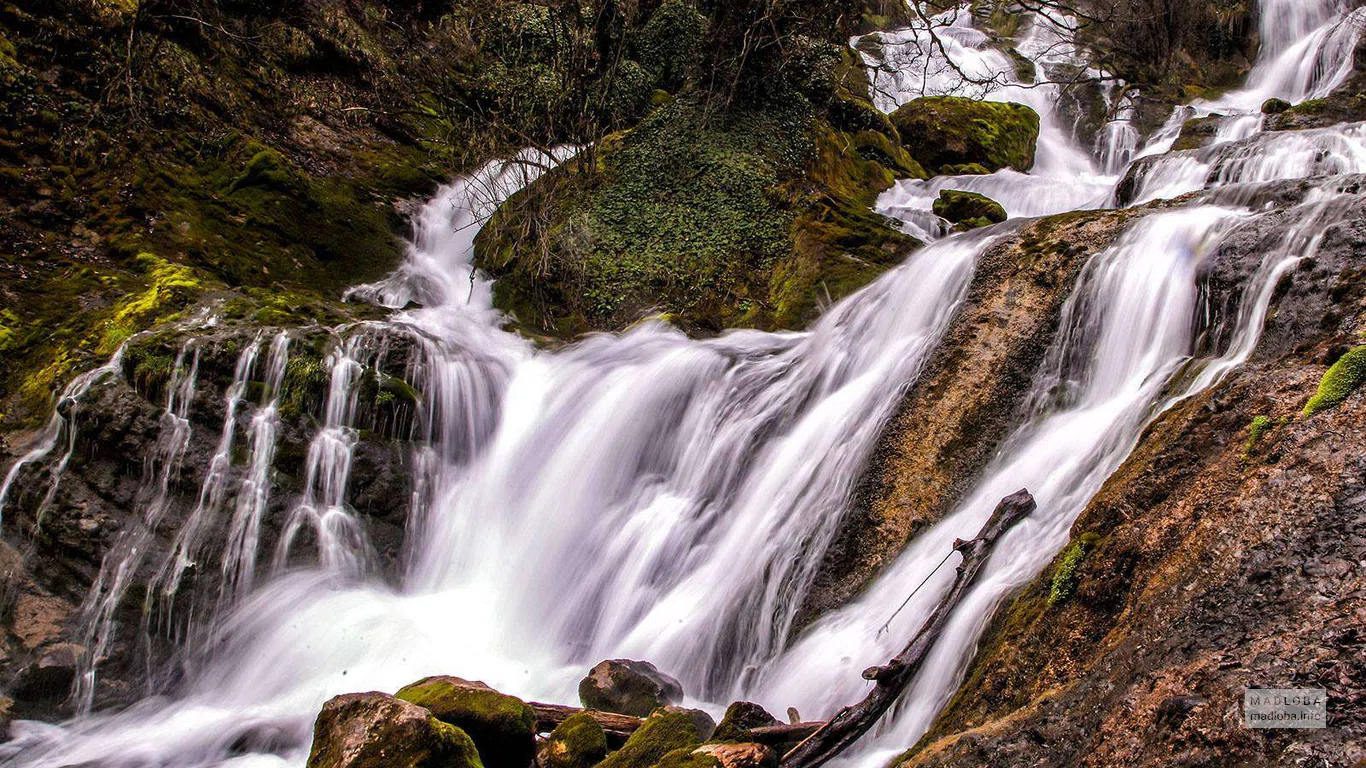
point(503, 727)
point(375, 730)
point(1223, 557)
point(629, 688)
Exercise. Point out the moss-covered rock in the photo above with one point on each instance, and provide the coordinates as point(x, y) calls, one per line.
point(946, 131)
point(968, 207)
point(628, 687)
point(1275, 106)
point(661, 733)
point(375, 730)
point(740, 717)
point(578, 742)
point(1341, 380)
point(503, 727)
point(1197, 132)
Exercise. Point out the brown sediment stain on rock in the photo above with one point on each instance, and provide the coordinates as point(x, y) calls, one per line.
point(952, 417)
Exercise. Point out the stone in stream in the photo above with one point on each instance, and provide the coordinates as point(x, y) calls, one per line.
point(666, 731)
point(578, 742)
point(968, 208)
point(628, 687)
point(376, 730)
point(740, 717)
point(948, 132)
point(503, 727)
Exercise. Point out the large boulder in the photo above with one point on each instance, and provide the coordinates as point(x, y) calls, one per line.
point(628, 688)
point(503, 727)
point(578, 742)
point(662, 733)
point(376, 730)
point(968, 208)
point(945, 131)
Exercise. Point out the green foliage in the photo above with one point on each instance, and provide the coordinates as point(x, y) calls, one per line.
point(1064, 583)
point(1340, 381)
point(672, 42)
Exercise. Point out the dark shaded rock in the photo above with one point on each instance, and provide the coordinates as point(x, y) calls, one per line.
point(50, 677)
point(740, 717)
point(376, 730)
point(947, 131)
point(628, 688)
point(578, 742)
point(503, 727)
point(1275, 106)
point(959, 207)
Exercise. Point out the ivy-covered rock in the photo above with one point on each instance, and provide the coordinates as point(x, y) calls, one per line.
point(578, 742)
point(503, 727)
point(968, 207)
point(946, 131)
point(375, 730)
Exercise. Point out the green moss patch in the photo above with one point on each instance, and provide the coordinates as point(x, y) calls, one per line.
point(1064, 583)
point(1340, 381)
point(942, 132)
point(578, 742)
point(661, 734)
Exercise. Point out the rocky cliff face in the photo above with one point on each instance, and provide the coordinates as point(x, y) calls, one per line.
point(1224, 554)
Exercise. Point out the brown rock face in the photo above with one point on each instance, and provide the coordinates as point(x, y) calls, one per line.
point(1220, 558)
point(375, 730)
point(951, 419)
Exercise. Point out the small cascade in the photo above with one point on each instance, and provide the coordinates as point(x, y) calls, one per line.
point(60, 432)
point(160, 471)
point(185, 551)
point(339, 536)
point(1260, 158)
point(253, 496)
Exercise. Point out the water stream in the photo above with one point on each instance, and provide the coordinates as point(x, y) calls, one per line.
point(652, 496)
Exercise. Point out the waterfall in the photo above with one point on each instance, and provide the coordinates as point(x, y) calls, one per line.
point(59, 432)
point(648, 495)
point(121, 563)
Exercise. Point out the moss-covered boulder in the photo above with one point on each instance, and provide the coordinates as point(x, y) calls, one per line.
point(740, 717)
point(663, 732)
point(578, 742)
point(945, 131)
point(628, 688)
point(376, 730)
point(1197, 132)
point(968, 208)
point(1275, 106)
point(503, 727)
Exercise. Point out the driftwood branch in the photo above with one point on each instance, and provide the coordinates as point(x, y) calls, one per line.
point(891, 679)
point(619, 727)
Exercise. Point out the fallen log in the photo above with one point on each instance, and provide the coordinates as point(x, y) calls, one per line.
point(891, 679)
point(621, 726)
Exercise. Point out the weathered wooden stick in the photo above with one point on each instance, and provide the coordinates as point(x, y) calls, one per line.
point(891, 679)
point(550, 715)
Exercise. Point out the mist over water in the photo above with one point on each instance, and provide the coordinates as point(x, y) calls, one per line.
point(651, 496)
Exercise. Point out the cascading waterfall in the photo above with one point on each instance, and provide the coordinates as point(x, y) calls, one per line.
point(129, 552)
point(244, 531)
point(653, 496)
point(60, 432)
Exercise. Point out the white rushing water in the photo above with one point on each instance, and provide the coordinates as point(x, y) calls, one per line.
point(651, 496)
